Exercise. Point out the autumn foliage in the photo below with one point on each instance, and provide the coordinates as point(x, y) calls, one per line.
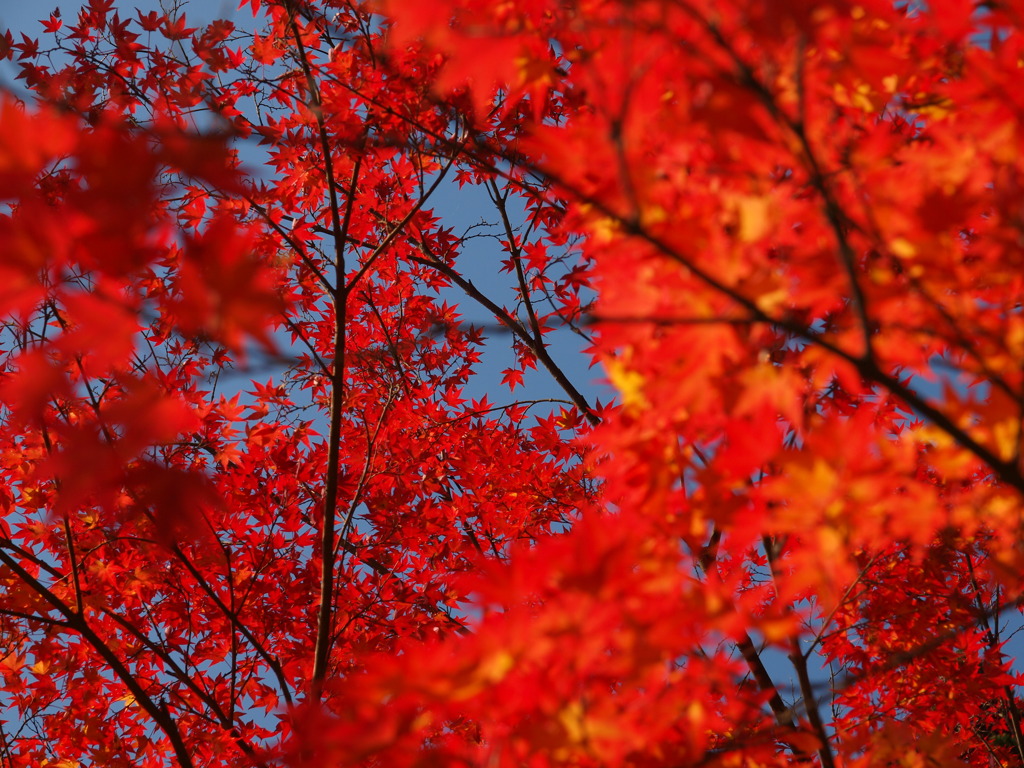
point(266, 503)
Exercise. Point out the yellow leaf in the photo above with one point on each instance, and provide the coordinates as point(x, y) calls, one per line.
point(532, 70)
point(571, 718)
point(754, 217)
point(903, 248)
point(630, 383)
point(1004, 434)
point(778, 629)
point(497, 666)
point(603, 229)
point(32, 498)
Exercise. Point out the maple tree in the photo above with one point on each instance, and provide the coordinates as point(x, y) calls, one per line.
point(802, 224)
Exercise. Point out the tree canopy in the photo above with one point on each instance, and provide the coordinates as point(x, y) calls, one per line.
point(266, 503)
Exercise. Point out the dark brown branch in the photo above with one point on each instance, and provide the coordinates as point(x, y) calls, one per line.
point(77, 623)
point(325, 614)
point(222, 719)
point(272, 662)
point(785, 716)
point(514, 326)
